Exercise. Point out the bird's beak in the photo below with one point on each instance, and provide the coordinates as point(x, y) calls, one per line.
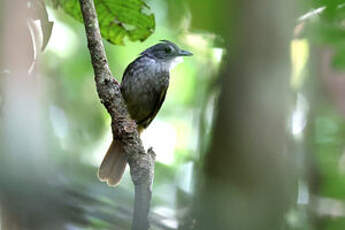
point(185, 53)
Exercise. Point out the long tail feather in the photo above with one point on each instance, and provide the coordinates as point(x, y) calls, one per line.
point(113, 165)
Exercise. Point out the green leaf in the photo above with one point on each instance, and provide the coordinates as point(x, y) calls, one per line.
point(117, 18)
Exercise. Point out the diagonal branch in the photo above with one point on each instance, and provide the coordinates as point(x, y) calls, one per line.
point(123, 128)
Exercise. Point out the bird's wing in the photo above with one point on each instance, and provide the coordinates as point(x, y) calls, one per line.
point(160, 99)
point(128, 69)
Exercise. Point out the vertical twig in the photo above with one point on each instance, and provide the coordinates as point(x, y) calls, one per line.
point(124, 129)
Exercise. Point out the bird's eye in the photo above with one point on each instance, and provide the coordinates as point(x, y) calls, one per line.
point(168, 49)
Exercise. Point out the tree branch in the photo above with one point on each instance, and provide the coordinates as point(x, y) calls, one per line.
point(123, 128)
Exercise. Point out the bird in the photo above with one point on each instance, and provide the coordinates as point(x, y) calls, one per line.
point(144, 86)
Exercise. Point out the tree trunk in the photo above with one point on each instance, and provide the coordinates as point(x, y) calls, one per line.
point(248, 179)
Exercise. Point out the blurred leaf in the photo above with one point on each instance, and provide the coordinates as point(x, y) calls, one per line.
point(117, 18)
point(328, 28)
point(334, 223)
point(206, 20)
point(47, 28)
point(177, 11)
point(330, 129)
point(40, 13)
point(339, 58)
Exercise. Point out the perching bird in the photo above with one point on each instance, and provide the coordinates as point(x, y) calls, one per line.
point(144, 86)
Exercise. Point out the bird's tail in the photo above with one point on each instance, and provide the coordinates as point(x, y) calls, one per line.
point(113, 165)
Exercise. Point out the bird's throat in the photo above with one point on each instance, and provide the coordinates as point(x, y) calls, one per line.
point(174, 62)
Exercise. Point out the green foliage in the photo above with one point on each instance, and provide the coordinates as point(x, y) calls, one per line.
point(117, 18)
point(329, 143)
point(335, 224)
point(327, 28)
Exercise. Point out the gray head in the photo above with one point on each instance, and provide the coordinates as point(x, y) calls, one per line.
point(165, 51)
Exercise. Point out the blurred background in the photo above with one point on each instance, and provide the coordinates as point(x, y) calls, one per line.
point(251, 135)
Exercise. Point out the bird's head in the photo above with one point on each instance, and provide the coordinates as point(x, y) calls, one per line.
point(165, 51)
